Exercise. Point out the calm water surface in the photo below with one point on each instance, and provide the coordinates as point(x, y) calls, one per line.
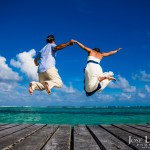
point(71, 115)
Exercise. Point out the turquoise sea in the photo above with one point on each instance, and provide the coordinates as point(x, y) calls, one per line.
point(72, 115)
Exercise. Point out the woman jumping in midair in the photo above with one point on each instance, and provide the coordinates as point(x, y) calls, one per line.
point(95, 79)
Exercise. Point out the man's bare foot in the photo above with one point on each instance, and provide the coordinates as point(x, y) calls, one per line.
point(47, 88)
point(111, 78)
point(30, 89)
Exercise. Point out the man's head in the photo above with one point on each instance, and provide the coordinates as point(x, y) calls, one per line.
point(50, 39)
point(97, 49)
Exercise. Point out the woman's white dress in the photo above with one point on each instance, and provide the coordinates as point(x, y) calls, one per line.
point(93, 71)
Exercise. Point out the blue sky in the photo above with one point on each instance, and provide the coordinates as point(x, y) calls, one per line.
point(105, 24)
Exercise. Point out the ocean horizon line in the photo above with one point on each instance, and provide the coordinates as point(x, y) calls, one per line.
point(138, 106)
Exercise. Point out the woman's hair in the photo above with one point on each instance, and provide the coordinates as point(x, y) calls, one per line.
point(50, 39)
point(97, 49)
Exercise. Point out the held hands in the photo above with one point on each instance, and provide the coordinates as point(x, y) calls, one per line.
point(71, 42)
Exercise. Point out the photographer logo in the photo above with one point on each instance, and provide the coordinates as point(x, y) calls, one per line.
point(144, 143)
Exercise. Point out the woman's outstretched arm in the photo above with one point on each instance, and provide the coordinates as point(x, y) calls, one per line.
point(84, 47)
point(111, 52)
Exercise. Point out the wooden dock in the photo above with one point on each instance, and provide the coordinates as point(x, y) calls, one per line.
point(79, 137)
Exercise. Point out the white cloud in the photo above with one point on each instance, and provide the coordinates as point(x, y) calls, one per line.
point(67, 95)
point(105, 97)
point(130, 89)
point(5, 87)
point(26, 64)
point(123, 84)
point(125, 96)
point(147, 88)
point(6, 73)
point(143, 76)
point(141, 95)
point(69, 89)
point(14, 63)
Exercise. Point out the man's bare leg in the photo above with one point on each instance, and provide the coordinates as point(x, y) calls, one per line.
point(30, 89)
point(35, 86)
point(47, 88)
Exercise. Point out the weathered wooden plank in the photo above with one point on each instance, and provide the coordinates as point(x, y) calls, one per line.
point(123, 136)
point(148, 124)
point(3, 124)
point(143, 125)
point(11, 130)
point(61, 140)
point(46, 137)
point(37, 140)
point(17, 136)
point(143, 128)
point(109, 141)
point(134, 131)
point(83, 140)
point(8, 126)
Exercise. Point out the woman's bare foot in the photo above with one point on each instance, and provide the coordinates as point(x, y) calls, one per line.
point(47, 88)
point(111, 78)
point(30, 89)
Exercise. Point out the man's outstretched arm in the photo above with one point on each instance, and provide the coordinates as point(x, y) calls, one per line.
point(61, 46)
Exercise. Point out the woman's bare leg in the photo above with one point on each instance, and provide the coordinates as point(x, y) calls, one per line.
point(111, 78)
point(106, 77)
